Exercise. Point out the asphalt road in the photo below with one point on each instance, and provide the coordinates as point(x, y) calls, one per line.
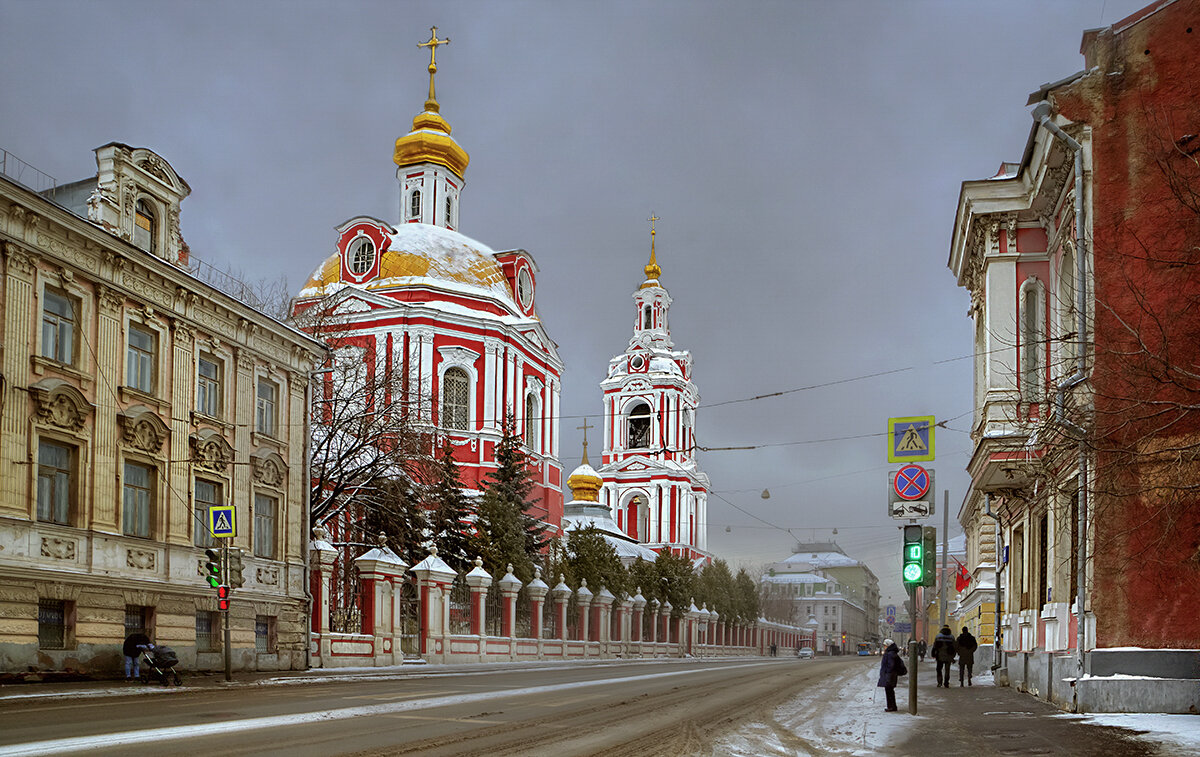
point(668, 707)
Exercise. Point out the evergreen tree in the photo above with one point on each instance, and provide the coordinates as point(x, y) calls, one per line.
point(449, 511)
point(715, 588)
point(746, 604)
point(644, 577)
point(678, 580)
point(591, 556)
point(507, 532)
point(398, 515)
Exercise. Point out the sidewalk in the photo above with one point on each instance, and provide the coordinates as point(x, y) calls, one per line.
point(985, 719)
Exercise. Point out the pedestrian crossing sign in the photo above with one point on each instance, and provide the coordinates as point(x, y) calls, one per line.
point(910, 440)
point(222, 521)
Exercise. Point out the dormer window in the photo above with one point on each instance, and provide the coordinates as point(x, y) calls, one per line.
point(362, 256)
point(144, 226)
point(414, 204)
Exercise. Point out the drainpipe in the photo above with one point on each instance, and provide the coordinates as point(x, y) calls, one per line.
point(1041, 114)
point(997, 646)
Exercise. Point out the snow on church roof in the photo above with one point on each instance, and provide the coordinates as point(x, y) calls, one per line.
point(422, 254)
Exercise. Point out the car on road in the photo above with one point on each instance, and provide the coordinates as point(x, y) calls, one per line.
point(806, 653)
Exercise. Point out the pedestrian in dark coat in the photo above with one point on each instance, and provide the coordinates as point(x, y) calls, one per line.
point(943, 653)
point(132, 649)
point(967, 645)
point(922, 649)
point(891, 667)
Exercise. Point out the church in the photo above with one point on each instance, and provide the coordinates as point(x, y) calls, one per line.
point(413, 295)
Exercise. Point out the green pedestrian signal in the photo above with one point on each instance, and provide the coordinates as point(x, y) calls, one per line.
point(913, 570)
point(212, 568)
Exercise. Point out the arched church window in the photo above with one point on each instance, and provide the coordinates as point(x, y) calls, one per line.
point(639, 426)
point(455, 383)
point(532, 421)
point(687, 432)
point(449, 210)
point(643, 521)
point(144, 226)
point(414, 204)
point(362, 256)
point(647, 320)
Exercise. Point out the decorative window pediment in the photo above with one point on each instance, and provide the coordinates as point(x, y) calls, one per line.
point(210, 450)
point(142, 428)
point(60, 404)
point(269, 468)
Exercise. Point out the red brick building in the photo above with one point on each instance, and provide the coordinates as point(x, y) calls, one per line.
point(1083, 265)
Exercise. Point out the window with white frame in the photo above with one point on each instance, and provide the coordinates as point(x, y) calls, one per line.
point(145, 226)
point(449, 210)
point(206, 495)
point(208, 386)
point(1032, 342)
point(55, 474)
point(455, 394)
point(362, 256)
point(532, 421)
point(140, 355)
point(264, 418)
point(265, 518)
point(58, 326)
point(137, 499)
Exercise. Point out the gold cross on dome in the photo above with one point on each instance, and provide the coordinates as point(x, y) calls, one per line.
point(432, 43)
point(585, 427)
point(652, 219)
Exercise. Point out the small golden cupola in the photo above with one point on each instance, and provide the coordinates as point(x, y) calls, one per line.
point(584, 482)
point(430, 164)
point(652, 270)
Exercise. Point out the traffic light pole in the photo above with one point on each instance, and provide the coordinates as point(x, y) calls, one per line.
point(912, 651)
point(225, 613)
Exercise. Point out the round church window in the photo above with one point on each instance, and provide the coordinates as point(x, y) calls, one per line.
point(362, 256)
point(525, 288)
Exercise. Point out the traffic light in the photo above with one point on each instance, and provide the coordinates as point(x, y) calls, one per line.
point(236, 579)
point(222, 597)
point(929, 541)
point(913, 571)
point(212, 568)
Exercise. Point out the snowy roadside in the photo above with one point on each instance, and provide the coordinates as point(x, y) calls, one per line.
point(1177, 734)
point(843, 715)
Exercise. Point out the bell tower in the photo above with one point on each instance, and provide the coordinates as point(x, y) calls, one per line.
point(652, 484)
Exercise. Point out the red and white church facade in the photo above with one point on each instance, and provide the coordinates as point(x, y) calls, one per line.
point(458, 318)
point(652, 483)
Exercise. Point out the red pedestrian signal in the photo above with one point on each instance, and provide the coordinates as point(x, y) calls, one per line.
point(222, 597)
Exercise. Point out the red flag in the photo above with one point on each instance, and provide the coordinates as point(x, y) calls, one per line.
point(963, 578)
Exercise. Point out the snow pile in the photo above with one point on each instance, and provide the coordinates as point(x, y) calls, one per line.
point(1172, 731)
point(842, 715)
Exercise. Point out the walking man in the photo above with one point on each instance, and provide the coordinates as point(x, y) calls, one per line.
point(943, 653)
point(891, 667)
point(966, 655)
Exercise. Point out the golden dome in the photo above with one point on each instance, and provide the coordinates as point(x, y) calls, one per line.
point(430, 142)
point(422, 255)
point(585, 484)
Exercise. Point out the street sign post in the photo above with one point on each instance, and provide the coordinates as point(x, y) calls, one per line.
point(911, 492)
point(910, 440)
point(222, 521)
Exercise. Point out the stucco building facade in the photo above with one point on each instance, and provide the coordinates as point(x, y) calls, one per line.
point(133, 396)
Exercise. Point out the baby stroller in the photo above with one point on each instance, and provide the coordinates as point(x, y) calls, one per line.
point(158, 664)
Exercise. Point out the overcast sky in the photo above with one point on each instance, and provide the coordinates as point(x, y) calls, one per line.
point(804, 158)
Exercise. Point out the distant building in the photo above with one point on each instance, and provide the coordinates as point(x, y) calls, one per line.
point(133, 397)
point(820, 581)
point(652, 483)
point(1081, 266)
